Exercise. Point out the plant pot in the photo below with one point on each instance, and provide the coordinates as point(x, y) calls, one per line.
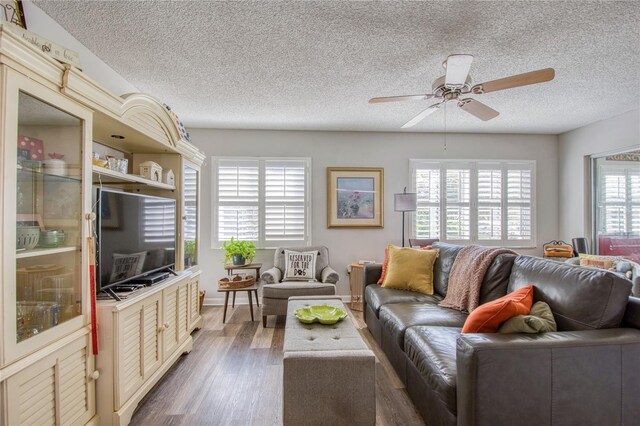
point(238, 260)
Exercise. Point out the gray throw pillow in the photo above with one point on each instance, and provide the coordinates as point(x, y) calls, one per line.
point(539, 320)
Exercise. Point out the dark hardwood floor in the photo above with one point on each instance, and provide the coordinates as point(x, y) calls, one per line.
point(233, 376)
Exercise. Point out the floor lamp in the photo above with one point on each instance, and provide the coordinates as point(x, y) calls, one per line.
point(404, 202)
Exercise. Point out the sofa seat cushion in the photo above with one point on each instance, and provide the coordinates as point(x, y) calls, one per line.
point(286, 289)
point(377, 296)
point(398, 317)
point(432, 350)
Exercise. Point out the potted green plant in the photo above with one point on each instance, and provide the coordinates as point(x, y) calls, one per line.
point(189, 253)
point(239, 252)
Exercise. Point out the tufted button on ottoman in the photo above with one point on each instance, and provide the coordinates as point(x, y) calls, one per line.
point(328, 370)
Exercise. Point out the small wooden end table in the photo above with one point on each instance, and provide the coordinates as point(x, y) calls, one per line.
point(250, 291)
point(355, 284)
point(229, 267)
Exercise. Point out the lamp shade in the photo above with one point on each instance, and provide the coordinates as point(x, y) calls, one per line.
point(405, 201)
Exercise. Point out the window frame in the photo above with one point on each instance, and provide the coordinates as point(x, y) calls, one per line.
point(597, 172)
point(474, 165)
point(262, 243)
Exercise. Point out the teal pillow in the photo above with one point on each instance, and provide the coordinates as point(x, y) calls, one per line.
point(539, 320)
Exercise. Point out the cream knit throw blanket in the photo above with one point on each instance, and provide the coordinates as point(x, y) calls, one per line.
point(467, 273)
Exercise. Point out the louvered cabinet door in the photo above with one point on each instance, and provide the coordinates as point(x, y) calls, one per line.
point(170, 318)
point(56, 390)
point(183, 312)
point(194, 302)
point(139, 343)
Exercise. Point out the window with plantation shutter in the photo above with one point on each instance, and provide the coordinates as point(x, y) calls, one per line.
point(618, 198)
point(488, 202)
point(158, 220)
point(264, 200)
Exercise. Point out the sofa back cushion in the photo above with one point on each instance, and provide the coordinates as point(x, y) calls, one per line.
point(580, 298)
point(442, 267)
point(322, 260)
point(496, 279)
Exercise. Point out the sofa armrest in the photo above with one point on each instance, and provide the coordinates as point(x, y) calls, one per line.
point(578, 377)
point(632, 313)
point(329, 275)
point(271, 276)
point(372, 273)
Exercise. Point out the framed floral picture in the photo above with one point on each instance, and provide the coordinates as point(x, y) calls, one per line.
point(355, 197)
point(12, 11)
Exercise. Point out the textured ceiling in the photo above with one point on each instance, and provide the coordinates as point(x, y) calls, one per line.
point(314, 65)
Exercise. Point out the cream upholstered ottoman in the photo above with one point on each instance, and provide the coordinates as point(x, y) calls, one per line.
point(328, 370)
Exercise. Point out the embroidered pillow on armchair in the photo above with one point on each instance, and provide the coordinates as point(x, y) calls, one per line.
point(300, 266)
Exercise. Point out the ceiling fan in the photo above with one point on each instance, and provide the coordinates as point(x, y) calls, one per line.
point(457, 83)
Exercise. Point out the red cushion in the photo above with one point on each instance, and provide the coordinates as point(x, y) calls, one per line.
point(489, 317)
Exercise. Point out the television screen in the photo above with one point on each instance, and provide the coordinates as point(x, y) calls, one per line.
point(136, 236)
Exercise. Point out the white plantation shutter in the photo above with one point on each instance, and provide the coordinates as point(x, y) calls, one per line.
point(489, 194)
point(190, 203)
point(264, 200)
point(458, 207)
point(427, 180)
point(284, 198)
point(519, 203)
point(619, 199)
point(238, 190)
point(158, 220)
point(634, 200)
point(487, 202)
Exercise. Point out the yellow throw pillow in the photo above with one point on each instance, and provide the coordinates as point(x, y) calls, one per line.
point(410, 269)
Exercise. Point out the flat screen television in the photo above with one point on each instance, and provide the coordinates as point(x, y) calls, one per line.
point(136, 236)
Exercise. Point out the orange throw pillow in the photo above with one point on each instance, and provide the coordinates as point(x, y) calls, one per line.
point(489, 317)
point(385, 265)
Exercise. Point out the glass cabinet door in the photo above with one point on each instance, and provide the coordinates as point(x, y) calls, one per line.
point(48, 222)
point(190, 181)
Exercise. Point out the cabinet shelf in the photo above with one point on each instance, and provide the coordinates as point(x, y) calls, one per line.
point(121, 178)
point(27, 175)
point(44, 251)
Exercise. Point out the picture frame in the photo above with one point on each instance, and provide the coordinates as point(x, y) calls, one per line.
point(355, 197)
point(12, 12)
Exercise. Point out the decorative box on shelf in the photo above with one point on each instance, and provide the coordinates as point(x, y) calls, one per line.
point(168, 177)
point(151, 170)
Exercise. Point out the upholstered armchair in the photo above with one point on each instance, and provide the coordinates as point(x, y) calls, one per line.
point(276, 293)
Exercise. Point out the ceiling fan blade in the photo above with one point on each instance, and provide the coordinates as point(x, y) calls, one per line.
point(457, 70)
point(478, 109)
point(418, 118)
point(400, 98)
point(533, 77)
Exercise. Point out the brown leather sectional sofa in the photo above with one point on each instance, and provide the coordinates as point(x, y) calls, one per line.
point(586, 373)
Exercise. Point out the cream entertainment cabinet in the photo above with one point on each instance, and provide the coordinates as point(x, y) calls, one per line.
point(52, 118)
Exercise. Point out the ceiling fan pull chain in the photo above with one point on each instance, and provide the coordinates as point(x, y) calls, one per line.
point(445, 127)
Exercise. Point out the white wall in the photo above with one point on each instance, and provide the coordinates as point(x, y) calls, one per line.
point(389, 150)
point(614, 134)
point(40, 23)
